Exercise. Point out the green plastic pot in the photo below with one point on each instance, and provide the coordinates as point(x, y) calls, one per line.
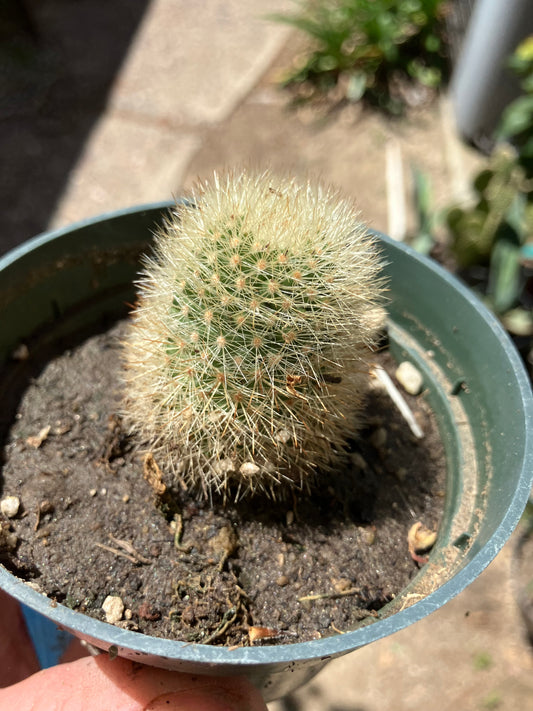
point(81, 276)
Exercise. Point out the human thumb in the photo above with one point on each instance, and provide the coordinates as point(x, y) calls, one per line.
point(103, 684)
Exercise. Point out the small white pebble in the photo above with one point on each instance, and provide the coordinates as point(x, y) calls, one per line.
point(103, 492)
point(10, 506)
point(113, 608)
point(126, 498)
point(410, 378)
point(128, 614)
point(92, 492)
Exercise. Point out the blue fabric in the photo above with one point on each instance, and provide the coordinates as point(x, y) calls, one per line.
point(48, 640)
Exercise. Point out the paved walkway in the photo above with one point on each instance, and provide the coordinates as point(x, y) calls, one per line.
point(188, 68)
point(129, 105)
point(196, 92)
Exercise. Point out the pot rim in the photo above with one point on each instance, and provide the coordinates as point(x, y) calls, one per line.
point(321, 649)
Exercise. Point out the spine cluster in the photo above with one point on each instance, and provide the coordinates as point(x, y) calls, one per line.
point(245, 359)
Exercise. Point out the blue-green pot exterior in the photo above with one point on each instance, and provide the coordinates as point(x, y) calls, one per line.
point(72, 277)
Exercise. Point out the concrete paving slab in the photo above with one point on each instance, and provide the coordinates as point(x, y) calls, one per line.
point(124, 162)
point(348, 150)
point(58, 60)
point(193, 62)
point(471, 655)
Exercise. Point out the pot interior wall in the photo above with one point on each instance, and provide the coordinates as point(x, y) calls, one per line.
point(477, 359)
point(82, 277)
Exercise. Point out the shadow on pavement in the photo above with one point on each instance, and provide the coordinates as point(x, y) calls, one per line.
point(290, 703)
point(58, 59)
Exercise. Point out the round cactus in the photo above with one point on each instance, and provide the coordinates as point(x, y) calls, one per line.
point(246, 355)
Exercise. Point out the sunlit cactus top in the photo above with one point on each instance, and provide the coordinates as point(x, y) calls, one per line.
point(246, 355)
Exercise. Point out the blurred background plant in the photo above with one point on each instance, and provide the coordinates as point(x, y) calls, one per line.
point(387, 52)
point(490, 238)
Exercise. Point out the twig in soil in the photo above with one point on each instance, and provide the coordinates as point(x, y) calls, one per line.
point(44, 507)
point(336, 629)
point(405, 501)
point(116, 552)
point(178, 534)
point(329, 596)
point(153, 475)
point(241, 592)
point(36, 440)
point(125, 545)
point(398, 399)
point(228, 619)
point(128, 551)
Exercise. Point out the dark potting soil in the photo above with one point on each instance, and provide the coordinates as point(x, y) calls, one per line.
point(252, 572)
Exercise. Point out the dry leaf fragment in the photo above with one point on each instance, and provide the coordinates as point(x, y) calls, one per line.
point(127, 546)
point(8, 539)
point(153, 475)
point(224, 544)
point(341, 584)
point(420, 539)
point(37, 440)
point(258, 633)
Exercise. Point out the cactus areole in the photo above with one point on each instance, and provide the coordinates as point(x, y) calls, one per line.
point(246, 357)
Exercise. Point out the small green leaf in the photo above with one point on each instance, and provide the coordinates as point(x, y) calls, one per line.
point(517, 117)
point(423, 242)
point(504, 277)
point(527, 252)
point(519, 322)
point(470, 243)
point(356, 86)
point(482, 180)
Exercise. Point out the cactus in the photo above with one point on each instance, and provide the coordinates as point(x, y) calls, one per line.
point(246, 354)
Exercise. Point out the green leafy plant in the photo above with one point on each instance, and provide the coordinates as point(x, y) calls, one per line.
point(246, 358)
point(516, 125)
point(496, 229)
point(368, 45)
point(427, 220)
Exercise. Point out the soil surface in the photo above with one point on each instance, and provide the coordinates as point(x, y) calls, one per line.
point(250, 572)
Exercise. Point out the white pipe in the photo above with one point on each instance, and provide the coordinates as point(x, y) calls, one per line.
point(482, 85)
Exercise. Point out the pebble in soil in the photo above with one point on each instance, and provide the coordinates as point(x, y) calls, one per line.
point(256, 571)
